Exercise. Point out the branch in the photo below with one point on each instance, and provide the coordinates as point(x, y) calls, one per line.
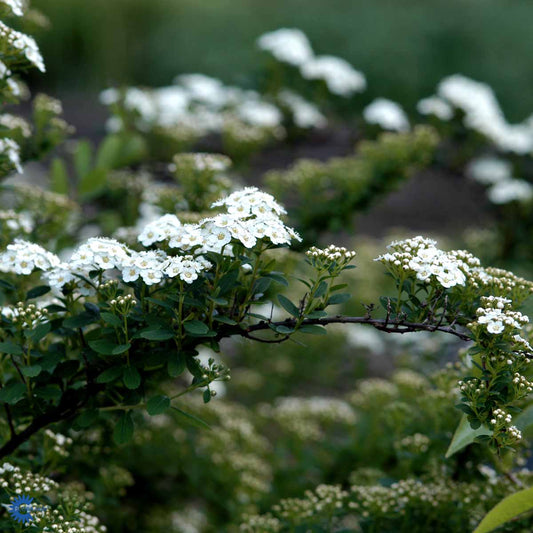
point(387, 325)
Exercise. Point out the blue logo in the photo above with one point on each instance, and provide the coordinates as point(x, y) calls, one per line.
point(20, 509)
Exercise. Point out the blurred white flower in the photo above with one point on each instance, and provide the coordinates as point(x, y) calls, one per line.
point(511, 190)
point(288, 45)
point(340, 77)
point(489, 170)
point(386, 114)
point(435, 106)
point(304, 113)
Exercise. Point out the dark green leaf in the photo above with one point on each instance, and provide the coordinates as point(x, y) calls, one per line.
point(103, 346)
point(191, 419)
point(225, 320)
point(339, 298)
point(124, 429)
point(112, 319)
point(37, 291)
point(12, 393)
point(10, 348)
point(31, 371)
point(196, 328)
point(207, 395)
point(157, 405)
point(157, 334)
point(110, 374)
point(288, 305)
point(176, 364)
point(313, 329)
point(131, 377)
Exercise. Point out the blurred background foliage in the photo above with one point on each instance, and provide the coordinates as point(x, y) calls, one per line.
point(404, 48)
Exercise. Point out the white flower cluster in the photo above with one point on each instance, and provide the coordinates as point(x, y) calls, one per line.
point(16, 222)
point(26, 315)
point(290, 45)
point(251, 216)
point(13, 122)
point(202, 161)
point(15, 7)
point(387, 114)
point(59, 442)
point(331, 254)
point(23, 43)
point(22, 482)
point(11, 151)
point(22, 257)
point(421, 257)
point(304, 113)
point(483, 113)
point(435, 106)
point(498, 174)
point(195, 103)
point(497, 316)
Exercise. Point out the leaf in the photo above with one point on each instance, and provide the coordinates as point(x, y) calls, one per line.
point(83, 155)
point(288, 306)
point(225, 320)
point(12, 393)
point(103, 346)
point(110, 374)
point(196, 328)
point(525, 419)
point(78, 321)
point(48, 392)
point(58, 176)
point(207, 395)
point(158, 334)
point(131, 377)
point(37, 291)
point(87, 418)
point(339, 298)
point(191, 419)
point(284, 330)
point(121, 348)
point(321, 290)
point(509, 508)
point(111, 319)
point(157, 405)
point(124, 429)
point(317, 314)
point(10, 348)
point(313, 329)
point(39, 332)
point(176, 364)
point(31, 371)
point(278, 278)
point(92, 183)
point(464, 435)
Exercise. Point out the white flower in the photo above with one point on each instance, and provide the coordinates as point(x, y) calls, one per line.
point(22, 257)
point(340, 77)
point(511, 190)
point(287, 45)
point(489, 170)
point(10, 149)
point(495, 327)
point(386, 114)
point(304, 113)
point(25, 44)
point(435, 106)
point(258, 113)
point(16, 7)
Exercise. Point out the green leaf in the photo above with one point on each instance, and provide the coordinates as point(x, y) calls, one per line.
point(87, 418)
point(284, 330)
point(225, 320)
point(157, 334)
point(321, 290)
point(313, 329)
point(288, 305)
point(207, 395)
point(10, 348)
point(317, 314)
point(110, 374)
point(31, 371)
point(524, 420)
point(176, 364)
point(196, 328)
point(465, 435)
point(157, 405)
point(92, 183)
point(103, 346)
point(83, 155)
point(339, 298)
point(12, 393)
point(191, 419)
point(39, 332)
point(111, 319)
point(131, 377)
point(278, 278)
point(37, 291)
point(78, 321)
point(509, 508)
point(121, 348)
point(48, 392)
point(59, 176)
point(124, 429)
